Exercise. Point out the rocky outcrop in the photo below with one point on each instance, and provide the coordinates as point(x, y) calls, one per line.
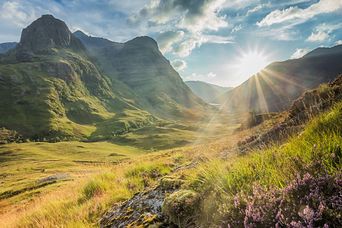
point(43, 34)
point(144, 208)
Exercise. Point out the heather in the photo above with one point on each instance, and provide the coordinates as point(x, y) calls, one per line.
point(297, 184)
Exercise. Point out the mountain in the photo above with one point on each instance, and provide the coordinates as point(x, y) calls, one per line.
point(140, 65)
point(53, 85)
point(208, 92)
point(5, 47)
point(275, 87)
point(51, 88)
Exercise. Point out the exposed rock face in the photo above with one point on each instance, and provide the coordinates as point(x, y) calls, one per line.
point(45, 33)
point(60, 69)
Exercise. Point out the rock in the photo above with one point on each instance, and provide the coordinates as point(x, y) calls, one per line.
point(61, 70)
point(143, 209)
point(45, 33)
point(54, 178)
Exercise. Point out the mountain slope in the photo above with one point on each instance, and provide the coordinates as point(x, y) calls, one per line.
point(5, 47)
point(50, 88)
point(276, 86)
point(208, 92)
point(140, 65)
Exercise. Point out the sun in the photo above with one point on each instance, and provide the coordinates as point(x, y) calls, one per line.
point(251, 62)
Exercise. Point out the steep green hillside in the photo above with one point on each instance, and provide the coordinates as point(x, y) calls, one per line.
point(52, 89)
point(275, 87)
point(140, 65)
point(208, 92)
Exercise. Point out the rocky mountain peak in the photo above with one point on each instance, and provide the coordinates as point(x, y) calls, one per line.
point(47, 32)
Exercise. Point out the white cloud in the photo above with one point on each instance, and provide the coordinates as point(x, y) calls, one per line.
point(299, 53)
point(200, 77)
point(179, 64)
point(211, 75)
point(295, 13)
point(237, 28)
point(318, 36)
point(16, 13)
point(322, 32)
point(167, 39)
point(217, 39)
point(284, 33)
point(193, 18)
point(190, 42)
point(338, 42)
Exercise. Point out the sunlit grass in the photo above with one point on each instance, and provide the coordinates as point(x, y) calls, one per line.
point(274, 167)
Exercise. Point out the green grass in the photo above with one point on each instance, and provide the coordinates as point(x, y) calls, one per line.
point(81, 202)
point(22, 165)
point(218, 181)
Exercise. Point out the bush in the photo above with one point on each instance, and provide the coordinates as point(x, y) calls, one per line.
point(94, 188)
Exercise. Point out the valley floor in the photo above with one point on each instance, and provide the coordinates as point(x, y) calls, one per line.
point(43, 183)
point(206, 183)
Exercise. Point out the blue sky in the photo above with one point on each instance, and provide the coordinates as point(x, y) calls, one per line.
point(204, 39)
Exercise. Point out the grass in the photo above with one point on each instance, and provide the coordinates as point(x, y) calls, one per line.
point(95, 176)
point(25, 167)
point(86, 199)
point(218, 181)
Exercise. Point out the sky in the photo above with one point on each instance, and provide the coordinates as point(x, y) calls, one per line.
point(204, 39)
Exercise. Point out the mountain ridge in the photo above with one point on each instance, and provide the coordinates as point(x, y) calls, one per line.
point(55, 89)
point(210, 93)
point(277, 85)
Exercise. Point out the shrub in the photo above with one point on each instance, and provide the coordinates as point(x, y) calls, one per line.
point(93, 188)
point(306, 202)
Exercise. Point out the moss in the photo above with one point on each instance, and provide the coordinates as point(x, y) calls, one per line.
point(169, 183)
point(181, 207)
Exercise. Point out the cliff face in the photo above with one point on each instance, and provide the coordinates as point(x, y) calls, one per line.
point(48, 32)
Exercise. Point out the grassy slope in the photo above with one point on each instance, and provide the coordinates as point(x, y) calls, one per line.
point(63, 95)
point(94, 180)
point(25, 169)
point(217, 181)
point(274, 167)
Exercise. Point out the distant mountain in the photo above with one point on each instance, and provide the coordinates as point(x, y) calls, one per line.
point(210, 93)
point(5, 47)
point(275, 87)
point(53, 85)
point(140, 65)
